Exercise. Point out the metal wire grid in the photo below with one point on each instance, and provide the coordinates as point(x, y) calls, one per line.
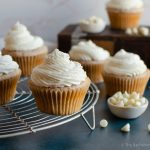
point(21, 116)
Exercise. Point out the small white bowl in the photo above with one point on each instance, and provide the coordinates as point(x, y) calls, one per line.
point(127, 112)
point(92, 28)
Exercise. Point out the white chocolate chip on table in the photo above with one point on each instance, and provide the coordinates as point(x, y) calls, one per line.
point(103, 123)
point(128, 106)
point(126, 128)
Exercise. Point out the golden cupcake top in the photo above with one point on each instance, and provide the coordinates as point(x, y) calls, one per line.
point(19, 38)
point(58, 71)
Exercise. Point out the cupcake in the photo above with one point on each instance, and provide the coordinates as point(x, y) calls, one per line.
point(27, 50)
point(93, 25)
point(59, 85)
point(91, 57)
point(9, 75)
point(125, 72)
point(124, 14)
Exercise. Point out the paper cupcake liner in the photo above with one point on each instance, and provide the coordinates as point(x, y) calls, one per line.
point(123, 20)
point(27, 63)
point(94, 70)
point(27, 60)
point(116, 83)
point(60, 101)
point(8, 84)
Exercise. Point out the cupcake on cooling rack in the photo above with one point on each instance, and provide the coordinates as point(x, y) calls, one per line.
point(27, 50)
point(9, 75)
point(125, 72)
point(93, 25)
point(59, 85)
point(124, 14)
point(91, 57)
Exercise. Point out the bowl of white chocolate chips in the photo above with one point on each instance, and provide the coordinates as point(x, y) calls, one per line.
point(127, 106)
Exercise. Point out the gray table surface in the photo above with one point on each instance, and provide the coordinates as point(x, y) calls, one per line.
point(77, 136)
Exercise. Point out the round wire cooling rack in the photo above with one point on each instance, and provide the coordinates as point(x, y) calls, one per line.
point(21, 116)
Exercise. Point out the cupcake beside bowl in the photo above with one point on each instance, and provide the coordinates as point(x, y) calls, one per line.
point(9, 76)
point(125, 72)
point(124, 14)
point(27, 50)
point(59, 85)
point(91, 57)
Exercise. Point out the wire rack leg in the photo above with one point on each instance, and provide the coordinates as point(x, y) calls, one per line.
point(92, 127)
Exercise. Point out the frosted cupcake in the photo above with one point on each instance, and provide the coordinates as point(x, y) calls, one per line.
point(93, 25)
point(59, 85)
point(124, 14)
point(91, 57)
point(27, 50)
point(9, 75)
point(125, 72)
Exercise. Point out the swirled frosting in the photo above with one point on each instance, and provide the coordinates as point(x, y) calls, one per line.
point(58, 71)
point(125, 4)
point(7, 65)
point(88, 51)
point(19, 38)
point(93, 24)
point(124, 63)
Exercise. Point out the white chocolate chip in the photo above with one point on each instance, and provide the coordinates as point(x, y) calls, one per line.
point(144, 31)
point(126, 128)
point(132, 101)
point(120, 104)
point(143, 100)
point(137, 103)
point(126, 95)
point(135, 31)
point(129, 31)
point(125, 100)
point(103, 123)
point(135, 95)
point(113, 101)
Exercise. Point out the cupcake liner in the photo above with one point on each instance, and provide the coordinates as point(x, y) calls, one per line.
point(123, 19)
point(94, 70)
point(8, 84)
point(27, 60)
point(115, 83)
point(60, 101)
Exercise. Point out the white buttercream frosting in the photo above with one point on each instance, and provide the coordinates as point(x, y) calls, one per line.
point(7, 65)
point(125, 4)
point(58, 71)
point(93, 24)
point(125, 63)
point(88, 51)
point(19, 38)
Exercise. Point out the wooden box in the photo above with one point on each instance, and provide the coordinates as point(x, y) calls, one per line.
point(111, 40)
